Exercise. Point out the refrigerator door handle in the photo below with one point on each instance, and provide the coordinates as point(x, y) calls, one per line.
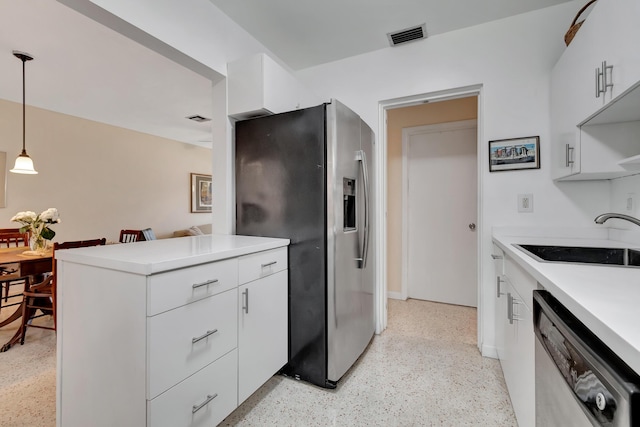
point(362, 158)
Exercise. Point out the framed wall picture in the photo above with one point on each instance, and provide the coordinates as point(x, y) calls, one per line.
point(514, 154)
point(201, 198)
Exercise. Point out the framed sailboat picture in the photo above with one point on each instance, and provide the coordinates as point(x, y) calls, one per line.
point(514, 154)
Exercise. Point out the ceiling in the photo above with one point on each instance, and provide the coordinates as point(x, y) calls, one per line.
point(85, 69)
point(304, 33)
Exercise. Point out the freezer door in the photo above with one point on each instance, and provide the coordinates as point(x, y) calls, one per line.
point(349, 301)
point(280, 192)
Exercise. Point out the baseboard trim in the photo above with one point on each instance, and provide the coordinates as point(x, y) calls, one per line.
point(396, 295)
point(490, 351)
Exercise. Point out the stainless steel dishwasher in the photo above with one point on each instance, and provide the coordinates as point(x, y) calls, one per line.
point(579, 380)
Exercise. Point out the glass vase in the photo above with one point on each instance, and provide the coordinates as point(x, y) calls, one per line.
point(38, 244)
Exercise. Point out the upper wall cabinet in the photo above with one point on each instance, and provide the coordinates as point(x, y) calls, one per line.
point(258, 86)
point(593, 134)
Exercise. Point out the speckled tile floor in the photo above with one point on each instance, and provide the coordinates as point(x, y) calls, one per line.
point(424, 370)
point(28, 376)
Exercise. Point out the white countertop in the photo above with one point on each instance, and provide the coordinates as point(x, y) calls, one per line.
point(161, 255)
point(605, 299)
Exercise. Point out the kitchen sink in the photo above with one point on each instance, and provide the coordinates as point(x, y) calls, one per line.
point(583, 255)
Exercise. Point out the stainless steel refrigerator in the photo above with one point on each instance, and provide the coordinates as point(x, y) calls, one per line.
point(305, 175)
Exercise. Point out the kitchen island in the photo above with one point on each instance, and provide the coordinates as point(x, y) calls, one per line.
point(172, 332)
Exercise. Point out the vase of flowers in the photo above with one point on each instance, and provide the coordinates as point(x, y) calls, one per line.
point(38, 227)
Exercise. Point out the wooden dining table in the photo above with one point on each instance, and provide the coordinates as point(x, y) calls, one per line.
point(31, 267)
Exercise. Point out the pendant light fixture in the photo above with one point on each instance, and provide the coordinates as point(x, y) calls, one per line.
point(24, 164)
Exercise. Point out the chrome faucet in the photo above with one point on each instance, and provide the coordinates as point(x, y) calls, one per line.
point(600, 219)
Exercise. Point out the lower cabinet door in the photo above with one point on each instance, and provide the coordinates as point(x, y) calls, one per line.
point(203, 399)
point(262, 331)
point(518, 358)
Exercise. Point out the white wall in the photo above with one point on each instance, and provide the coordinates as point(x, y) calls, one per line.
point(205, 34)
point(621, 190)
point(511, 59)
point(101, 178)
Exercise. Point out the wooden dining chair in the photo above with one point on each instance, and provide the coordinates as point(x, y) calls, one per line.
point(10, 273)
point(130, 236)
point(11, 237)
point(42, 296)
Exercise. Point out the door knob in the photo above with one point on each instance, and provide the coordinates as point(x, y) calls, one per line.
point(472, 226)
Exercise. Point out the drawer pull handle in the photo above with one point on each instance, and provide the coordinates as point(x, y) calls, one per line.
point(210, 397)
point(201, 337)
point(568, 151)
point(207, 283)
point(511, 301)
point(269, 264)
point(245, 305)
point(494, 256)
point(499, 293)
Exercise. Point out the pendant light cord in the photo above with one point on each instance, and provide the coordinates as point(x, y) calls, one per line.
point(24, 116)
point(24, 164)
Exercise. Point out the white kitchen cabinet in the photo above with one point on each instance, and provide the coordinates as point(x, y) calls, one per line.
point(516, 326)
point(257, 86)
point(262, 319)
point(203, 399)
point(148, 332)
point(609, 35)
point(500, 312)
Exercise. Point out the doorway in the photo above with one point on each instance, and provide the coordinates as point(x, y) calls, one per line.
point(439, 208)
point(456, 104)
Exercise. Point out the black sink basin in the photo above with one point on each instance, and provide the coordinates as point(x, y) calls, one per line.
point(583, 254)
point(634, 257)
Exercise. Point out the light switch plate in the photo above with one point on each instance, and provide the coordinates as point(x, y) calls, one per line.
point(525, 202)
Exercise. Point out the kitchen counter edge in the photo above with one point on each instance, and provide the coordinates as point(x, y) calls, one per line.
point(157, 256)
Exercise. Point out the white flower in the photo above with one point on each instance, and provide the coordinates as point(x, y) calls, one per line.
point(25, 217)
point(50, 216)
point(36, 223)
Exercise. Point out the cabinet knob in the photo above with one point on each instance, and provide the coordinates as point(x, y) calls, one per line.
point(472, 226)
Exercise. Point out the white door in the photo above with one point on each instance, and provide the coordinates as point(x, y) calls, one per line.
point(440, 207)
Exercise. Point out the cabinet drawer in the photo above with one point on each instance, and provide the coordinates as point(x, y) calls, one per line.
point(176, 288)
point(172, 354)
point(262, 264)
point(216, 383)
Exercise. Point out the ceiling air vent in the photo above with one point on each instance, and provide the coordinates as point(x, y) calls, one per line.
point(407, 35)
point(198, 119)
